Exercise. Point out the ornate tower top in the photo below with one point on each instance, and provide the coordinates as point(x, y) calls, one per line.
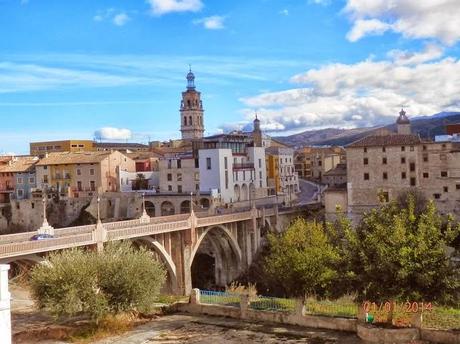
point(190, 79)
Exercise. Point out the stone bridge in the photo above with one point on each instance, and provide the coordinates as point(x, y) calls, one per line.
point(224, 243)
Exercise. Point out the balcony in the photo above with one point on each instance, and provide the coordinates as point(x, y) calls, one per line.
point(243, 166)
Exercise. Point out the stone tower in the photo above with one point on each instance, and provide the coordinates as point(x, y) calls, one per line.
point(191, 111)
point(257, 133)
point(403, 124)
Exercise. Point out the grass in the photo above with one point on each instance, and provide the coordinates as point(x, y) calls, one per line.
point(442, 318)
point(344, 307)
point(273, 304)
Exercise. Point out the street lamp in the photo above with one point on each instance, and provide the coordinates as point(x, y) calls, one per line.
point(98, 209)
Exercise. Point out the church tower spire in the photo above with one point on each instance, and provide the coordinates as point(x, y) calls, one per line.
point(191, 111)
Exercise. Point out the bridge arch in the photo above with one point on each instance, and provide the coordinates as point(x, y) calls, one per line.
point(150, 208)
point(185, 207)
point(216, 249)
point(204, 202)
point(167, 208)
point(165, 258)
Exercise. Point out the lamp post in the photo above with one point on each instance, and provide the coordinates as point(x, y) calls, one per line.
point(191, 202)
point(145, 218)
point(98, 210)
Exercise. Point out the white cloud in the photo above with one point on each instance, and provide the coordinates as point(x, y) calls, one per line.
point(109, 133)
point(431, 52)
point(19, 77)
point(363, 94)
point(211, 23)
point(121, 19)
point(363, 27)
point(159, 7)
point(411, 18)
point(284, 12)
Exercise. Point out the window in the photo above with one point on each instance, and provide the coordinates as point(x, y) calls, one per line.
point(208, 163)
point(319, 163)
point(457, 186)
point(445, 189)
point(20, 192)
point(225, 163)
point(197, 163)
point(403, 175)
point(366, 176)
point(260, 163)
point(384, 161)
point(19, 180)
point(424, 148)
point(365, 161)
point(437, 196)
point(31, 180)
point(179, 188)
point(260, 183)
point(169, 164)
point(91, 172)
point(260, 174)
point(169, 177)
point(79, 187)
point(384, 149)
point(45, 178)
point(197, 187)
point(425, 157)
point(45, 167)
point(92, 185)
point(412, 166)
point(169, 187)
point(426, 175)
point(197, 176)
point(179, 177)
point(365, 149)
point(179, 163)
point(443, 145)
point(444, 174)
point(413, 181)
point(385, 175)
point(403, 149)
point(226, 179)
point(403, 160)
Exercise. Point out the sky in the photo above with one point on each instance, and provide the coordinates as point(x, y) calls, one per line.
point(116, 69)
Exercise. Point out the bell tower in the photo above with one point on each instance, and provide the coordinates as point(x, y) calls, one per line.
point(191, 111)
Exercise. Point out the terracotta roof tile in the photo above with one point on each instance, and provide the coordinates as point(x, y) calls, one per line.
point(73, 158)
point(386, 140)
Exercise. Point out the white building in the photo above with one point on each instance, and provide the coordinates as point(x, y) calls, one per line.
point(128, 178)
point(234, 177)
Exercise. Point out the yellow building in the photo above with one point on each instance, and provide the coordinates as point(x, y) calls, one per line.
point(281, 176)
point(41, 148)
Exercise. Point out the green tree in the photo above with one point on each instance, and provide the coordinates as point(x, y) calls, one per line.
point(398, 251)
point(78, 282)
point(302, 259)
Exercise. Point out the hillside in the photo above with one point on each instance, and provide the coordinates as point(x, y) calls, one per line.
point(426, 127)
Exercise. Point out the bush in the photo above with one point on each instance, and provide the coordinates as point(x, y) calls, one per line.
point(77, 282)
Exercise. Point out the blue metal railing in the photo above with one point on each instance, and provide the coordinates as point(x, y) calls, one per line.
point(219, 298)
point(273, 304)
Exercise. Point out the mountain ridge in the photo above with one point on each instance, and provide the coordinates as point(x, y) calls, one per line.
point(425, 126)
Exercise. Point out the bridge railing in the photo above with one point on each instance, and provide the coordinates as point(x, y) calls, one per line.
point(17, 237)
point(66, 231)
point(212, 220)
point(45, 245)
point(139, 231)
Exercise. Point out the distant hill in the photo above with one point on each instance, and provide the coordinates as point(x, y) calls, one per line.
point(425, 126)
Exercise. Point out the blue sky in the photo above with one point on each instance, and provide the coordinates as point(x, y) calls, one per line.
point(68, 69)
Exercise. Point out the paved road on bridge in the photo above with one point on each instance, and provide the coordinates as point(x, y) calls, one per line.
point(308, 190)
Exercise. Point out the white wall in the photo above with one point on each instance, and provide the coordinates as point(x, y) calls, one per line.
point(214, 178)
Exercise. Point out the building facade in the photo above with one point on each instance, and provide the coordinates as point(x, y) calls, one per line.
point(82, 174)
point(179, 173)
point(17, 178)
point(381, 167)
point(41, 148)
point(313, 162)
point(281, 175)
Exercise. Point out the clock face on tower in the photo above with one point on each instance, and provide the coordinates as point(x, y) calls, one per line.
point(191, 111)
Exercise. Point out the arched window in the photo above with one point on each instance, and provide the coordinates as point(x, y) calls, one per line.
point(188, 103)
point(190, 120)
point(185, 120)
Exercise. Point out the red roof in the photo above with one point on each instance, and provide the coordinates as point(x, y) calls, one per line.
point(386, 140)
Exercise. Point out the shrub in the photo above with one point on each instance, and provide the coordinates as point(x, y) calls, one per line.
point(78, 282)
